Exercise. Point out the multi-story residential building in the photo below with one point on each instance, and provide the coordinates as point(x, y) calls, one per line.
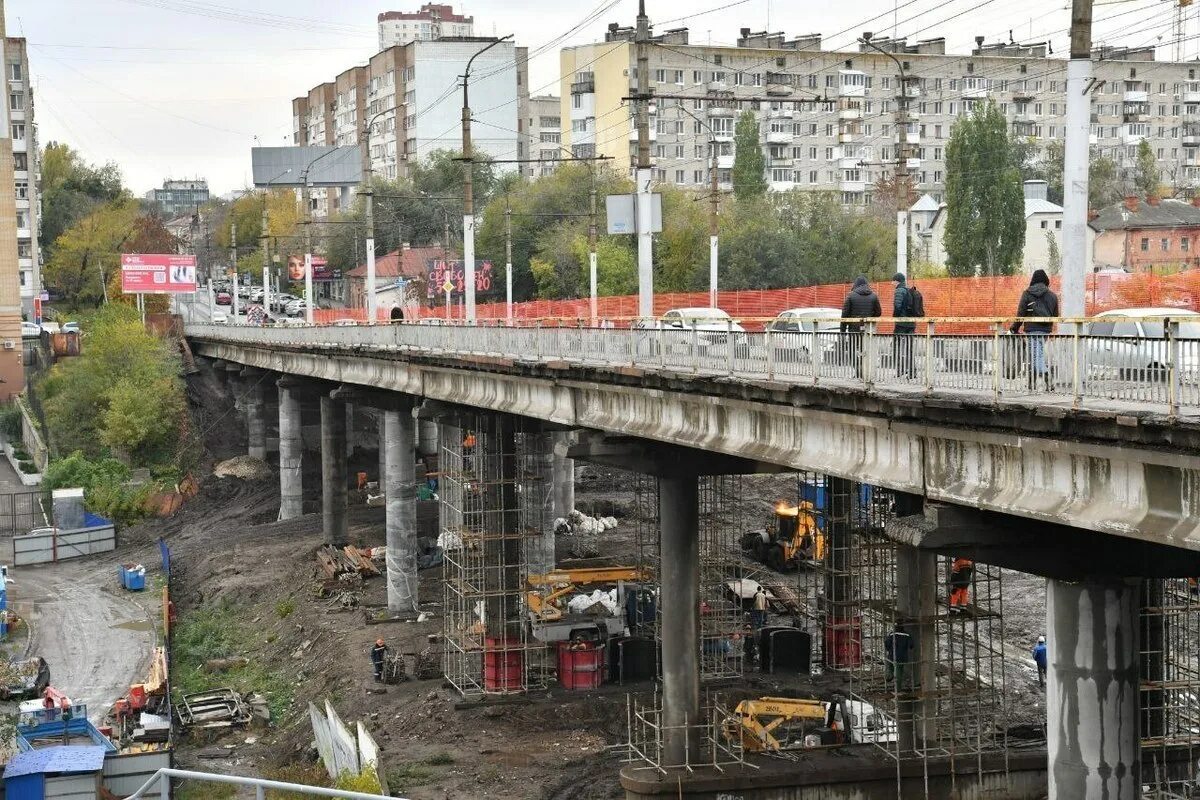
point(26, 170)
point(542, 125)
point(411, 98)
point(828, 119)
point(433, 21)
point(177, 198)
point(12, 54)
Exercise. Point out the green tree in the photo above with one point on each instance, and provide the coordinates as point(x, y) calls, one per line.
point(71, 189)
point(1147, 179)
point(1104, 184)
point(88, 253)
point(749, 164)
point(1053, 255)
point(985, 222)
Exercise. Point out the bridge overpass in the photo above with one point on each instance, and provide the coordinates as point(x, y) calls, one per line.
point(1088, 477)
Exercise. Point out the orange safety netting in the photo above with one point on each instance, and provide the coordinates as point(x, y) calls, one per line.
point(944, 297)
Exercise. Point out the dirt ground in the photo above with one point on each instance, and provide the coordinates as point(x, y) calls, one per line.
point(230, 552)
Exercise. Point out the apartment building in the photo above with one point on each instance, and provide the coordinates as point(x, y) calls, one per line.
point(26, 170)
point(411, 97)
point(542, 125)
point(17, 245)
point(828, 119)
point(177, 198)
point(432, 21)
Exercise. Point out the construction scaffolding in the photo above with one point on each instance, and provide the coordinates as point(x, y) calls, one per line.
point(1170, 686)
point(494, 515)
point(712, 747)
point(722, 609)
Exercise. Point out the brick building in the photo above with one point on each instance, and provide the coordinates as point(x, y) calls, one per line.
point(1147, 234)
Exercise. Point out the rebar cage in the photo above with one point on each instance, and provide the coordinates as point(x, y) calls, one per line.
point(1169, 636)
point(494, 471)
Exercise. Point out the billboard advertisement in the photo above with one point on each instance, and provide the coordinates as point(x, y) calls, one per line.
point(438, 271)
point(321, 270)
point(161, 273)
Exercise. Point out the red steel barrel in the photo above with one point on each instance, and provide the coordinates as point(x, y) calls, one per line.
point(581, 665)
point(503, 665)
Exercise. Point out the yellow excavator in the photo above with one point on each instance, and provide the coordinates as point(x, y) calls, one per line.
point(793, 540)
point(547, 608)
point(771, 724)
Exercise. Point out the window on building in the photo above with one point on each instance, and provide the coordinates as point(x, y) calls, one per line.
point(18, 131)
point(20, 161)
point(1045, 224)
point(24, 250)
point(829, 154)
point(697, 76)
point(1166, 244)
point(1185, 244)
point(21, 188)
point(697, 176)
point(15, 73)
point(22, 218)
point(679, 176)
point(16, 101)
point(679, 77)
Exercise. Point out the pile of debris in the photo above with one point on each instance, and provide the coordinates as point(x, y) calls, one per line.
point(578, 522)
point(247, 468)
point(222, 708)
point(333, 562)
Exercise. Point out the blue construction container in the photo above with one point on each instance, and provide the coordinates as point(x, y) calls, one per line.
point(133, 577)
point(816, 493)
point(70, 771)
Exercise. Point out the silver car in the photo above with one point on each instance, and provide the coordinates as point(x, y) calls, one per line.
point(799, 332)
point(1131, 343)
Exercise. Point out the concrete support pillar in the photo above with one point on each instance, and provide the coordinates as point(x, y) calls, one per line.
point(256, 414)
point(234, 384)
point(382, 476)
point(540, 551)
point(427, 437)
point(291, 452)
point(399, 486)
point(564, 475)
point(333, 471)
point(916, 615)
point(679, 545)
point(1092, 690)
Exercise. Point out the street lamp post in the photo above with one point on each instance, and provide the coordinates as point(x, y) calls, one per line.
point(306, 198)
point(713, 210)
point(901, 160)
point(468, 188)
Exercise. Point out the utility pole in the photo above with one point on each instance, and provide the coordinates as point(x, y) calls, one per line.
point(1075, 161)
point(306, 198)
point(593, 303)
point(266, 249)
point(469, 189)
point(901, 176)
point(508, 309)
point(369, 214)
point(643, 198)
point(714, 208)
point(233, 255)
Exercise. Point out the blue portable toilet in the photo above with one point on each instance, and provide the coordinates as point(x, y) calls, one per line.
point(68, 771)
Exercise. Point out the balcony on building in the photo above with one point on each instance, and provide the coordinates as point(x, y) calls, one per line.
point(913, 134)
point(1133, 133)
point(850, 109)
point(974, 88)
point(779, 84)
point(584, 84)
point(1191, 92)
point(722, 104)
point(1135, 92)
point(1023, 127)
point(1191, 135)
point(1135, 112)
point(781, 136)
point(718, 86)
point(856, 187)
point(852, 83)
point(724, 162)
point(633, 133)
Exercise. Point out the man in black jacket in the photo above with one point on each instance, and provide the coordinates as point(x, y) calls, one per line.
point(861, 302)
point(1037, 301)
point(902, 349)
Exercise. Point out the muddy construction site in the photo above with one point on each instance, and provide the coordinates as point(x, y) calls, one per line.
point(254, 616)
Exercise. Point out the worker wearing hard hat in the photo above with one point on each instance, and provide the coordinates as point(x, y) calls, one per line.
point(378, 655)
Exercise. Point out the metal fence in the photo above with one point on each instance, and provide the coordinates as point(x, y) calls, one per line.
point(1069, 365)
point(20, 512)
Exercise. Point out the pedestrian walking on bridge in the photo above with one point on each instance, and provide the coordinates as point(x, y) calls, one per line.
point(861, 303)
point(1037, 301)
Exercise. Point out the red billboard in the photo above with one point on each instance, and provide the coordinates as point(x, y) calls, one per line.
point(149, 273)
point(438, 272)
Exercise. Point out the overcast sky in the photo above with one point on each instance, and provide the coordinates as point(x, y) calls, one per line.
point(181, 88)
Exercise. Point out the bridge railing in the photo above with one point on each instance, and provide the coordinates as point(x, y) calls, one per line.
point(1161, 371)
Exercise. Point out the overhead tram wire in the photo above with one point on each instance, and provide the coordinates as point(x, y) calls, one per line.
point(235, 14)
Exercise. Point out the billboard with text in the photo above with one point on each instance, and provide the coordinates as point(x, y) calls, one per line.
point(157, 273)
point(320, 268)
point(439, 271)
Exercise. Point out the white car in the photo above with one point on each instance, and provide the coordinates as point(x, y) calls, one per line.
point(30, 330)
point(713, 330)
point(51, 327)
point(795, 332)
point(219, 318)
point(256, 294)
point(295, 308)
point(1132, 342)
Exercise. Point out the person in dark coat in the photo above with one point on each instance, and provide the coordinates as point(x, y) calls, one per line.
point(897, 657)
point(1037, 301)
point(397, 314)
point(378, 656)
point(902, 347)
point(861, 302)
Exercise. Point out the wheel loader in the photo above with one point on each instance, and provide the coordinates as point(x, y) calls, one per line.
point(791, 541)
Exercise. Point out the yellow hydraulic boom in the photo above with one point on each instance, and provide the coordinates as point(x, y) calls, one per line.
point(547, 589)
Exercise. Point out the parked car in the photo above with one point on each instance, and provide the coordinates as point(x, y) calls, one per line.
point(30, 330)
point(796, 331)
point(295, 308)
point(256, 294)
point(219, 318)
point(1132, 342)
point(224, 299)
point(713, 327)
point(51, 327)
point(70, 327)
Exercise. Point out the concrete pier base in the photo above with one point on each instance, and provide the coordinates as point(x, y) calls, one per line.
point(291, 450)
point(427, 437)
point(1092, 689)
point(333, 471)
point(256, 419)
point(399, 487)
point(679, 544)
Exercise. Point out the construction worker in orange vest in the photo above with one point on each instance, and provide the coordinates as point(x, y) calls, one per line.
point(960, 583)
